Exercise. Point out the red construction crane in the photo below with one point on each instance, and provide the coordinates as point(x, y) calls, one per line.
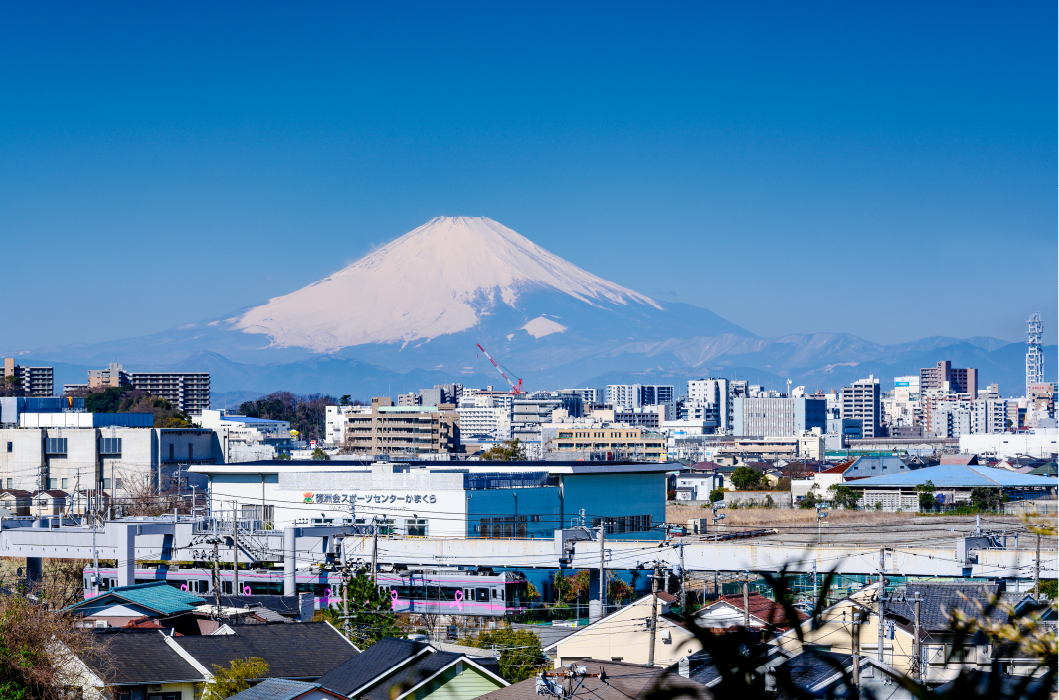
point(515, 388)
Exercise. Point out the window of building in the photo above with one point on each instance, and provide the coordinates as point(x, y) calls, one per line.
point(10, 483)
point(417, 527)
point(66, 484)
point(172, 449)
point(10, 447)
point(53, 484)
point(106, 483)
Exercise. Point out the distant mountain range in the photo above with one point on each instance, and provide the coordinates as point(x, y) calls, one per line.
point(408, 316)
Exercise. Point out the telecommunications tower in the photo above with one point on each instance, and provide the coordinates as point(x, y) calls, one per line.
point(1034, 355)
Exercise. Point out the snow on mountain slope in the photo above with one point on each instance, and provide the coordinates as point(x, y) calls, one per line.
point(436, 280)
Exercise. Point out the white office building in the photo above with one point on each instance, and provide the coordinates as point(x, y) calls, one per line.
point(484, 415)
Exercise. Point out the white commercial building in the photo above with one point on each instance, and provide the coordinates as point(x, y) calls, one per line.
point(114, 458)
point(245, 439)
point(711, 399)
point(484, 415)
point(434, 500)
point(1040, 444)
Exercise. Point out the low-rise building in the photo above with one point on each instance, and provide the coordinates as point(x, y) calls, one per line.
point(608, 442)
point(247, 439)
point(623, 636)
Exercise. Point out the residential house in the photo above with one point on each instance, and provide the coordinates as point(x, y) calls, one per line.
point(941, 661)
point(162, 665)
point(403, 669)
point(810, 674)
point(729, 611)
point(281, 689)
point(610, 680)
point(16, 500)
point(122, 605)
point(51, 502)
point(624, 636)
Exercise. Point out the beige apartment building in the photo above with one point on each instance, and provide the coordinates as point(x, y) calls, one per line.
point(622, 441)
point(394, 430)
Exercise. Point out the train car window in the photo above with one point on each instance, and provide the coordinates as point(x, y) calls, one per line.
point(226, 586)
point(204, 586)
point(113, 583)
point(483, 594)
point(494, 594)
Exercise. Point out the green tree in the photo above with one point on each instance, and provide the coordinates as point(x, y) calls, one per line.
point(345, 400)
point(11, 386)
point(809, 500)
point(843, 496)
point(985, 498)
point(716, 495)
point(509, 451)
point(520, 652)
point(106, 401)
point(320, 456)
point(927, 502)
point(371, 615)
point(237, 677)
point(745, 478)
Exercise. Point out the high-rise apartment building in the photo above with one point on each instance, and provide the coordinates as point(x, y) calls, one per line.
point(187, 391)
point(626, 396)
point(35, 381)
point(945, 377)
point(1034, 354)
point(862, 400)
point(711, 399)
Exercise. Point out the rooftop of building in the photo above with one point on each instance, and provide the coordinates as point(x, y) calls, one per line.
point(364, 466)
point(958, 476)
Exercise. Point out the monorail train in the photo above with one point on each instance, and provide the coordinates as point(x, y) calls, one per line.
point(426, 591)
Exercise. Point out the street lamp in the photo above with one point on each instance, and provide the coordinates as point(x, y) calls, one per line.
point(717, 519)
point(820, 515)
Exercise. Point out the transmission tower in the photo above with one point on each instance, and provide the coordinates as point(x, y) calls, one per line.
point(1034, 354)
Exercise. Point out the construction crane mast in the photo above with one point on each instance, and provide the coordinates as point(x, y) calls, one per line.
point(515, 388)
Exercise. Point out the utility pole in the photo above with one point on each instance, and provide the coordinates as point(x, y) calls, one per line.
point(654, 617)
point(917, 649)
point(1037, 571)
point(816, 586)
point(746, 600)
point(602, 568)
point(95, 561)
point(375, 550)
point(855, 631)
point(345, 592)
point(217, 575)
point(683, 581)
point(880, 601)
point(235, 546)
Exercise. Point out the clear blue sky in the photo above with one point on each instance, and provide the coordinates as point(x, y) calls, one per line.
point(880, 169)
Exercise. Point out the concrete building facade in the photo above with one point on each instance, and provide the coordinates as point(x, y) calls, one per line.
point(945, 377)
point(187, 391)
point(394, 430)
point(862, 400)
point(35, 381)
point(778, 417)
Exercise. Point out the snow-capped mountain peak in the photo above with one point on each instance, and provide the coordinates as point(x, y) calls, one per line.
point(435, 280)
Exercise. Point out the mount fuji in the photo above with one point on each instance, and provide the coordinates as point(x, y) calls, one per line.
point(410, 313)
